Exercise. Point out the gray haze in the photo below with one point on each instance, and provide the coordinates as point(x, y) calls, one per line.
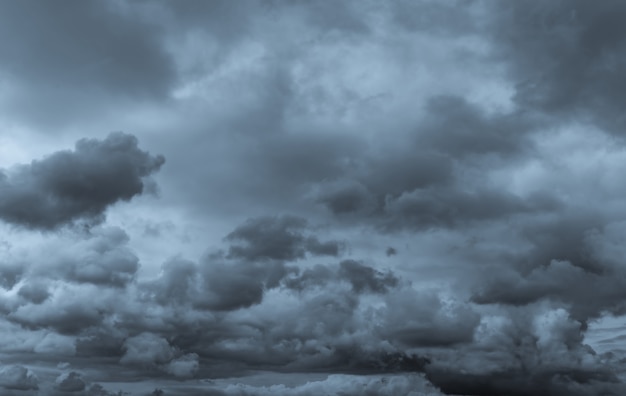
point(312, 197)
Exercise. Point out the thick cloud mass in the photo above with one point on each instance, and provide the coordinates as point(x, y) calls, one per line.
point(70, 382)
point(361, 198)
point(17, 378)
point(277, 239)
point(69, 185)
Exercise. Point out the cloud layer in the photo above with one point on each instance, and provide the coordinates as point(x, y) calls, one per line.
point(407, 198)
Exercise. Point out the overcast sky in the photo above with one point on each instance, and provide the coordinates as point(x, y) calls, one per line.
point(276, 197)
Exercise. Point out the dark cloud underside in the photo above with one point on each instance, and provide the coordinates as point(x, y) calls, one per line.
point(70, 185)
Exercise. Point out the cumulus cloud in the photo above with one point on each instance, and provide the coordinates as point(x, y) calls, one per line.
point(147, 349)
point(18, 378)
point(108, 57)
point(102, 258)
point(185, 366)
point(571, 66)
point(407, 198)
point(56, 345)
point(214, 283)
point(69, 185)
point(70, 382)
point(277, 238)
point(361, 277)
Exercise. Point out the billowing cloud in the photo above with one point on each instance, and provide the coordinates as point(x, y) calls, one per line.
point(565, 58)
point(360, 198)
point(70, 382)
point(413, 385)
point(147, 349)
point(279, 238)
point(89, 53)
point(18, 378)
point(80, 184)
point(185, 366)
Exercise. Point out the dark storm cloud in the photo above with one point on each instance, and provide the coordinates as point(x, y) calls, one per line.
point(102, 342)
point(18, 378)
point(35, 292)
point(237, 285)
point(458, 128)
point(147, 349)
point(223, 19)
point(437, 18)
point(10, 274)
point(521, 261)
point(228, 22)
point(566, 58)
point(426, 208)
point(80, 54)
point(69, 185)
point(536, 351)
point(515, 383)
point(70, 382)
point(215, 283)
point(65, 317)
point(425, 183)
point(421, 319)
point(577, 268)
point(343, 384)
point(103, 258)
point(277, 238)
point(345, 197)
point(361, 278)
point(364, 278)
point(84, 43)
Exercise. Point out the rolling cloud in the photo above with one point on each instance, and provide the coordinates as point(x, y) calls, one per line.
point(69, 185)
point(360, 198)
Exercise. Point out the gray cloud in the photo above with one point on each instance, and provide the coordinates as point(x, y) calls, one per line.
point(361, 278)
point(451, 173)
point(565, 58)
point(18, 378)
point(366, 278)
point(147, 349)
point(70, 382)
point(70, 185)
point(277, 238)
point(215, 283)
point(345, 385)
point(82, 54)
point(34, 292)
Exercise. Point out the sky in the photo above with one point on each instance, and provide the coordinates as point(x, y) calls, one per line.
point(277, 197)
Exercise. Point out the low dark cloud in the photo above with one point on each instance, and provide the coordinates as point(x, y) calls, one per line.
point(35, 292)
point(365, 278)
point(80, 184)
point(70, 382)
point(277, 238)
point(66, 317)
point(515, 383)
point(84, 55)
point(459, 128)
point(215, 283)
point(565, 58)
point(362, 278)
point(432, 194)
point(18, 378)
point(433, 181)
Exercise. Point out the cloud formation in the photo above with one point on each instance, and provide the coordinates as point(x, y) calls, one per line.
point(418, 198)
point(79, 184)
